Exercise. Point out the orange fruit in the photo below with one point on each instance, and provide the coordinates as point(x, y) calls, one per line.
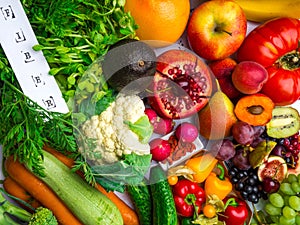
point(161, 22)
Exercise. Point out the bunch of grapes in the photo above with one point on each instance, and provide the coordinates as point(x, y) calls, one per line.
point(283, 206)
point(246, 182)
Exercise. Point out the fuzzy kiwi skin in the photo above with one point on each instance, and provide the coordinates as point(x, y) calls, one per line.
point(285, 122)
point(127, 61)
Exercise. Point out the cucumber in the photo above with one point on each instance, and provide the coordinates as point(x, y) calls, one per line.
point(142, 201)
point(164, 210)
point(89, 205)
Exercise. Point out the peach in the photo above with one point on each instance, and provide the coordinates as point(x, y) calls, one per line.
point(249, 77)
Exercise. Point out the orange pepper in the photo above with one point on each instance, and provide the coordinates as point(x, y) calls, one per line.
point(202, 166)
point(218, 185)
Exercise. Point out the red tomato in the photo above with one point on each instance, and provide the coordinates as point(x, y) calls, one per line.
point(275, 45)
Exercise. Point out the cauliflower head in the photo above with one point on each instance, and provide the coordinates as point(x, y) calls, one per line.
point(113, 137)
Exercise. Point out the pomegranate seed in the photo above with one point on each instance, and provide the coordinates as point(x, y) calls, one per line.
point(170, 71)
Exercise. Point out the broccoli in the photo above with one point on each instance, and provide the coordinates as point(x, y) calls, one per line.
point(10, 214)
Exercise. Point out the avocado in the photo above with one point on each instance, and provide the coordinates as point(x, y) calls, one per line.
point(126, 61)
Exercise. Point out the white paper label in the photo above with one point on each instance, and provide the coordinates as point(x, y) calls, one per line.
point(30, 67)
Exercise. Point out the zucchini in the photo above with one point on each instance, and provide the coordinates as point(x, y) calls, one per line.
point(164, 210)
point(89, 205)
point(141, 199)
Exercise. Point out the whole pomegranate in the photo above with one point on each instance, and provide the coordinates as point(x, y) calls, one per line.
point(181, 86)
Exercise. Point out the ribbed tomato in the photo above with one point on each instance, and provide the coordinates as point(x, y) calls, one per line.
point(275, 45)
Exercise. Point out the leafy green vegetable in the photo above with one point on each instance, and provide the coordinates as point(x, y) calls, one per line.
point(131, 170)
point(26, 128)
point(74, 33)
point(142, 127)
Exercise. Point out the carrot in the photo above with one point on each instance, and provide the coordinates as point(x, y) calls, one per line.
point(40, 191)
point(14, 189)
point(128, 214)
point(63, 158)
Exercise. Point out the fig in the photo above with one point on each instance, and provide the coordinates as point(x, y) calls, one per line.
point(182, 84)
point(274, 167)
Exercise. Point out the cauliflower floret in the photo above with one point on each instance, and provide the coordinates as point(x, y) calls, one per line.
point(114, 138)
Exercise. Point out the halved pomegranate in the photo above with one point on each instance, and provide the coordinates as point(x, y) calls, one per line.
point(182, 84)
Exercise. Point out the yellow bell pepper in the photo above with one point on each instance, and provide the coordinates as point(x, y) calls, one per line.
point(218, 185)
point(201, 166)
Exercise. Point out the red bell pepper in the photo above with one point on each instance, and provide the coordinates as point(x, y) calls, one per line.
point(188, 197)
point(236, 211)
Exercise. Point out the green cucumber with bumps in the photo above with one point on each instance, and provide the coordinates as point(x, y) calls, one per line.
point(164, 210)
point(142, 201)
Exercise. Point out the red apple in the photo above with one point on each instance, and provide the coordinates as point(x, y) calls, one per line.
point(216, 29)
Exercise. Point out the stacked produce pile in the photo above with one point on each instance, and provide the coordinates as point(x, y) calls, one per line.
point(202, 134)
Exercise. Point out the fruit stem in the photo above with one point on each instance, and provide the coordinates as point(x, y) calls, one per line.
point(257, 216)
point(219, 29)
point(222, 172)
point(231, 202)
point(289, 61)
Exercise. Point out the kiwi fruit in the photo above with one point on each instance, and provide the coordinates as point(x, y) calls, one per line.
point(126, 61)
point(285, 122)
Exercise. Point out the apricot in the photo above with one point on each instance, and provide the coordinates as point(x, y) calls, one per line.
point(249, 77)
point(255, 109)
